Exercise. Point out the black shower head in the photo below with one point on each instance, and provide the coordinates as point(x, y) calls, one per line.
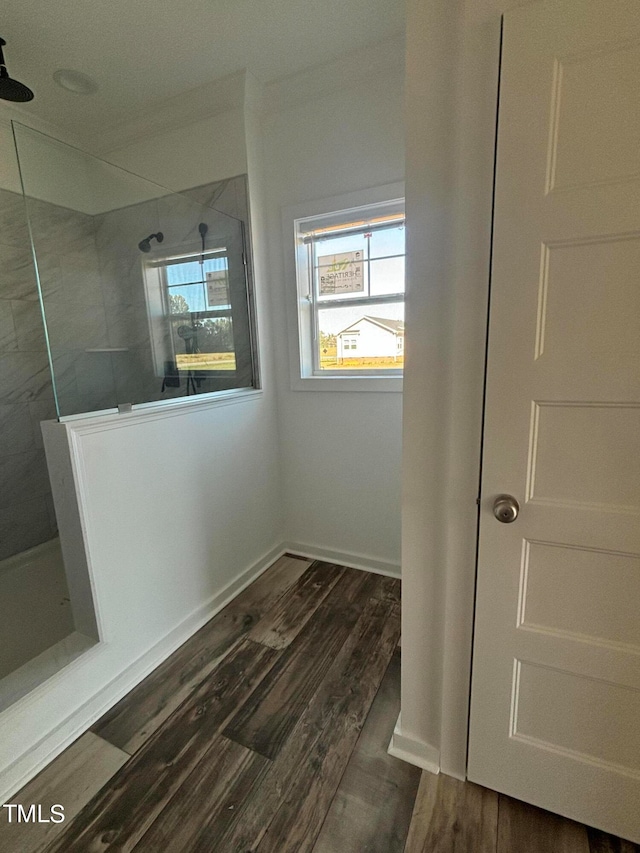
point(11, 90)
point(145, 245)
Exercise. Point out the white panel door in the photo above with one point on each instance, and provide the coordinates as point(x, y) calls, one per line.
point(555, 711)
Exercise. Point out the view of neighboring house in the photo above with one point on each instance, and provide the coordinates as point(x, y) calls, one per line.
point(372, 337)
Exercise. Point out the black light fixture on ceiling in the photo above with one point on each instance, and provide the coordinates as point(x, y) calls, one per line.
point(11, 90)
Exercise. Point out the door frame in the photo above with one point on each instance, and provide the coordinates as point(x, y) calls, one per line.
point(452, 64)
point(456, 702)
point(485, 376)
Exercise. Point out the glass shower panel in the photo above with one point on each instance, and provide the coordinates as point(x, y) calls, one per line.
point(144, 292)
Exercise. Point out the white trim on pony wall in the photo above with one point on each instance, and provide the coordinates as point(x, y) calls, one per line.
point(415, 751)
point(344, 558)
point(17, 775)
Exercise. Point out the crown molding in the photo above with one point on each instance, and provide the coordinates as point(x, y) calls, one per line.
point(383, 58)
point(243, 90)
point(218, 96)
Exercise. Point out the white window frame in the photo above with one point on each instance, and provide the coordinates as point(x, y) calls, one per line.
point(301, 345)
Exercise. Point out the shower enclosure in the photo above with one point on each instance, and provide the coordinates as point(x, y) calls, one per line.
point(115, 295)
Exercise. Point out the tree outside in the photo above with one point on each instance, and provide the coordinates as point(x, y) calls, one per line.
point(178, 304)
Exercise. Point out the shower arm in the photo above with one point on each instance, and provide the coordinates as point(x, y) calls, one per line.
point(203, 228)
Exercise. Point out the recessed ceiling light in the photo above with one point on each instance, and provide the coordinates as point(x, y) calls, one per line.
point(75, 81)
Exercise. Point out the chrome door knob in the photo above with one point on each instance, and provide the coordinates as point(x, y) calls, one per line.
point(506, 508)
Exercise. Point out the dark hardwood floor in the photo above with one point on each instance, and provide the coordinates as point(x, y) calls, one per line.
point(267, 732)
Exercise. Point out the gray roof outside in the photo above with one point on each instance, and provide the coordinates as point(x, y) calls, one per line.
point(395, 326)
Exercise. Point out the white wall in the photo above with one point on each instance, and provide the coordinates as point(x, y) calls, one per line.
point(9, 173)
point(59, 172)
point(199, 153)
point(62, 174)
point(452, 74)
point(174, 508)
point(340, 452)
point(55, 172)
point(176, 159)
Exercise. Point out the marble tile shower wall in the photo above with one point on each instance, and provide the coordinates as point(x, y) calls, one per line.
point(27, 517)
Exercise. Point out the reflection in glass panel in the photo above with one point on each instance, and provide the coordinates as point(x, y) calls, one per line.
point(204, 344)
point(145, 292)
point(186, 297)
point(369, 337)
point(194, 285)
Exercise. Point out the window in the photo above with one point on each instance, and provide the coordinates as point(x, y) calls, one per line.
point(199, 314)
point(350, 274)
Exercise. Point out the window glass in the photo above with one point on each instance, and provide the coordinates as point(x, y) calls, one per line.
point(368, 337)
point(389, 241)
point(332, 245)
point(387, 276)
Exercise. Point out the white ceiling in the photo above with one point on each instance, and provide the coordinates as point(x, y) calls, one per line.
point(145, 51)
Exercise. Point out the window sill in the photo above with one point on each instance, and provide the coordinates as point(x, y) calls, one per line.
point(350, 384)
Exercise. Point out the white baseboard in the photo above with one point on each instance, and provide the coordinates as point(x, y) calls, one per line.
point(344, 558)
point(414, 751)
point(39, 755)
